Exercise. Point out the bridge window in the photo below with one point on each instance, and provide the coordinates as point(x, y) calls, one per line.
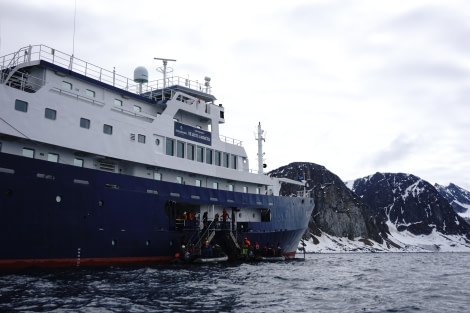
point(190, 151)
point(200, 154)
point(21, 105)
point(170, 146)
point(157, 176)
point(217, 158)
point(226, 158)
point(209, 156)
point(180, 149)
point(234, 162)
point(198, 183)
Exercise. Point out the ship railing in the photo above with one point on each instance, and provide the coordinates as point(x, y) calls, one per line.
point(25, 81)
point(230, 140)
point(70, 62)
point(304, 193)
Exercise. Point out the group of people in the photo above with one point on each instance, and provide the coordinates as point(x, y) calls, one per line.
point(216, 224)
point(189, 219)
point(188, 250)
point(254, 251)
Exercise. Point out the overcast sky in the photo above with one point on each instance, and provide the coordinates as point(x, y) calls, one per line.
point(357, 86)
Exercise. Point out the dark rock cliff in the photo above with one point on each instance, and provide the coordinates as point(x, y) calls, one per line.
point(338, 211)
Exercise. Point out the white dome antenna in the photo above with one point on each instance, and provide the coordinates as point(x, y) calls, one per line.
point(207, 80)
point(141, 76)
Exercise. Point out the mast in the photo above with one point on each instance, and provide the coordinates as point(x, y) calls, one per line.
point(260, 139)
point(164, 69)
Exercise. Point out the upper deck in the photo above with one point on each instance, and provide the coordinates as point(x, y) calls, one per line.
point(156, 90)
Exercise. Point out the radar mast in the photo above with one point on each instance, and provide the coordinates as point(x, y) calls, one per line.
point(164, 69)
point(260, 139)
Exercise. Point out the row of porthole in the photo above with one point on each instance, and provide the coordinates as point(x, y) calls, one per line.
point(58, 199)
point(114, 243)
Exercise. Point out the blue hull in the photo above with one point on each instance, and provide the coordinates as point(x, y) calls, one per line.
point(54, 215)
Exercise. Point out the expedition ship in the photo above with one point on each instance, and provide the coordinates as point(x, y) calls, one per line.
point(100, 169)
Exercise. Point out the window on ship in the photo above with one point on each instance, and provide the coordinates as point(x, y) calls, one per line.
point(209, 156)
point(200, 154)
point(170, 147)
point(21, 105)
point(226, 159)
point(53, 157)
point(29, 153)
point(234, 162)
point(84, 123)
point(190, 151)
point(180, 149)
point(66, 85)
point(265, 215)
point(217, 158)
point(141, 138)
point(90, 93)
point(107, 129)
point(78, 162)
point(50, 114)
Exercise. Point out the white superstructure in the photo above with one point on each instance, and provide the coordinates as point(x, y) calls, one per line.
point(165, 129)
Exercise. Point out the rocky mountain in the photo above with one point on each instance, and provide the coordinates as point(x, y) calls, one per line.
point(338, 211)
point(381, 212)
point(410, 203)
point(458, 198)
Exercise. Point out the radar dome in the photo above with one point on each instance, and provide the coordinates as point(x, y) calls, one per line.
point(141, 75)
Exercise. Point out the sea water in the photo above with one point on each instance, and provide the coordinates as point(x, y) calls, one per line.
point(366, 282)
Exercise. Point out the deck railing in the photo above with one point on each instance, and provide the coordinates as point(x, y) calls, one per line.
point(64, 60)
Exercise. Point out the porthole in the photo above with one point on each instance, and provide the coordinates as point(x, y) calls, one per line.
point(100, 203)
point(157, 142)
point(58, 199)
point(147, 243)
point(113, 242)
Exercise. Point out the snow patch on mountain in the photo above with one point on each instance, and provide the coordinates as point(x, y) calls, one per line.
point(398, 241)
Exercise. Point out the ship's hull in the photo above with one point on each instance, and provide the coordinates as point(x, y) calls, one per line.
point(55, 215)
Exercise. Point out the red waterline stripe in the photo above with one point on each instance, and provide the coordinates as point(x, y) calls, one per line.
point(83, 262)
